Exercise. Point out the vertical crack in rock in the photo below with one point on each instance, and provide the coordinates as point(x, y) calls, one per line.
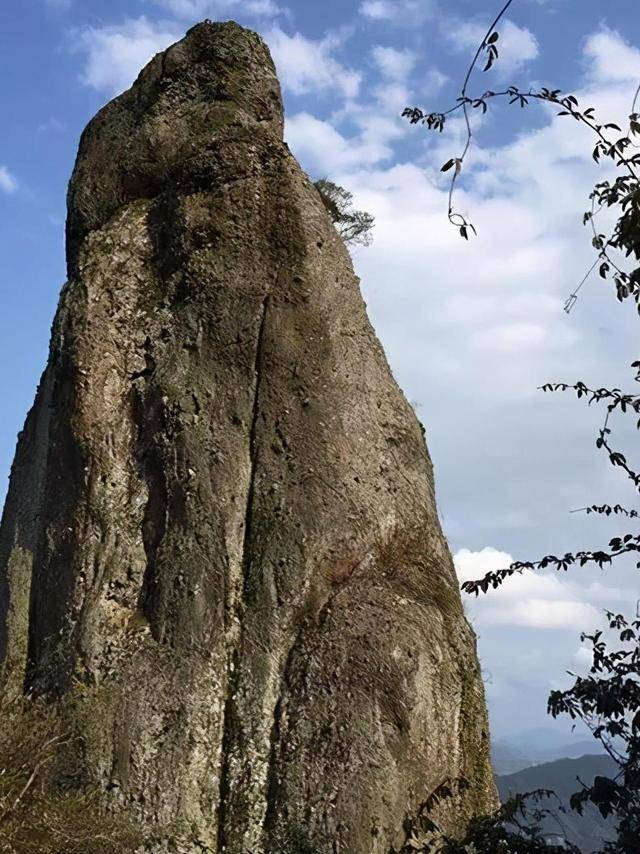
point(147, 420)
point(253, 446)
point(227, 743)
point(195, 507)
point(230, 719)
point(271, 790)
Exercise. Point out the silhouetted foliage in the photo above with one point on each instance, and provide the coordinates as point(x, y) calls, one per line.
point(354, 227)
point(513, 829)
point(607, 700)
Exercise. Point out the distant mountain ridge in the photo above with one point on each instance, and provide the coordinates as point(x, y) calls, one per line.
point(563, 776)
point(537, 746)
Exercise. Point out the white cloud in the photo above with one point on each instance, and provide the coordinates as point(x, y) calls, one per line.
point(116, 53)
point(516, 46)
point(434, 81)
point(305, 65)
point(398, 11)
point(325, 151)
point(531, 599)
point(267, 8)
point(493, 303)
point(544, 614)
point(393, 64)
point(518, 336)
point(8, 182)
point(610, 58)
point(583, 657)
point(471, 565)
point(394, 67)
point(392, 97)
point(197, 9)
point(379, 10)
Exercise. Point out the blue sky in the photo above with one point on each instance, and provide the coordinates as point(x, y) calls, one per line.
point(471, 329)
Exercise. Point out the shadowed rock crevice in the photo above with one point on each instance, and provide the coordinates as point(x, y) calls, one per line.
point(221, 522)
point(253, 444)
point(231, 722)
point(147, 418)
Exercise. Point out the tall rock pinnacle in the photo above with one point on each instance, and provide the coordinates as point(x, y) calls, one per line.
point(221, 518)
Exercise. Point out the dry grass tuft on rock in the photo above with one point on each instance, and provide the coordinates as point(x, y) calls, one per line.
point(44, 806)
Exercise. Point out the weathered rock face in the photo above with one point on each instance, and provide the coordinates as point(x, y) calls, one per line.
point(221, 518)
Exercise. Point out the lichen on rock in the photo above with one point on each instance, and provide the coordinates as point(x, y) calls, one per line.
point(221, 515)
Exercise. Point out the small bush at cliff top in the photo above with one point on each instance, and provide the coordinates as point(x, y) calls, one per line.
point(354, 227)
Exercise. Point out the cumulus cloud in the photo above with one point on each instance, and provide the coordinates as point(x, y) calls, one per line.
point(495, 304)
point(115, 54)
point(8, 182)
point(398, 11)
point(394, 68)
point(392, 63)
point(379, 10)
point(517, 45)
point(307, 65)
point(197, 9)
point(325, 151)
point(609, 58)
point(391, 96)
point(530, 599)
point(434, 81)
